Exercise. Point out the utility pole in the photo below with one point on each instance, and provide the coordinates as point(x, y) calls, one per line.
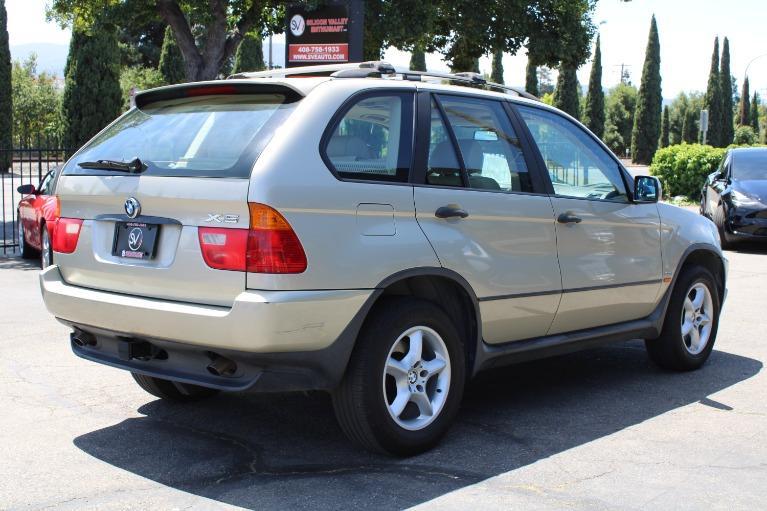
point(623, 67)
point(271, 63)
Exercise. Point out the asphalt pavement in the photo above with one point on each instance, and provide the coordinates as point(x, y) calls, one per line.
point(599, 429)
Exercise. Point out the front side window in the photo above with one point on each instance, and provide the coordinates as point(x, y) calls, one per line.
point(45, 184)
point(373, 139)
point(490, 149)
point(577, 165)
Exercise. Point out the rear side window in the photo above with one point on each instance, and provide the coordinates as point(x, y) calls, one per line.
point(490, 149)
point(373, 139)
point(204, 136)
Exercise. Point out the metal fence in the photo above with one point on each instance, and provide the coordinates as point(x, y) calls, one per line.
point(30, 164)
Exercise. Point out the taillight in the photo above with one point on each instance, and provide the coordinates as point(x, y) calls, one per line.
point(66, 232)
point(269, 246)
point(273, 246)
point(223, 249)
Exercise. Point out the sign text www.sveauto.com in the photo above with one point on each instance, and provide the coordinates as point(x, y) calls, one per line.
point(317, 36)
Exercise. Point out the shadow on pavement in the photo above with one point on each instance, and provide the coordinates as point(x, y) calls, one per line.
point(751, 247)
point(285, 450)
point(11, 262)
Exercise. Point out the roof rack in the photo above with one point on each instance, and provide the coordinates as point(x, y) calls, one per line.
point(378, 69)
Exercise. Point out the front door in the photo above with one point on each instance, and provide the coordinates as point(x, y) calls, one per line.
point(609, 247)
point(486, 216)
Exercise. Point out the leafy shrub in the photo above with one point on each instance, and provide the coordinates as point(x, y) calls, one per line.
point(141, 78)
point(744, 135)
point(683, 168)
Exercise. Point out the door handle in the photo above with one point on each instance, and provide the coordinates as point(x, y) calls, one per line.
point(569, 218)
point(450, 211)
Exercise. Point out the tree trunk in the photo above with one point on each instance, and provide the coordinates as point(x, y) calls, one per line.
point(219, 45)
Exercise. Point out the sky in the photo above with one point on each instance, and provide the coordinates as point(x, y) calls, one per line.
point(686, 27)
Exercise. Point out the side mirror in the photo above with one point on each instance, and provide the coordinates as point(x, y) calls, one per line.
point(26, 189)
point(646, 189)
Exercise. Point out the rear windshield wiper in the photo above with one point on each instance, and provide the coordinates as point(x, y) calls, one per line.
point(135, 166)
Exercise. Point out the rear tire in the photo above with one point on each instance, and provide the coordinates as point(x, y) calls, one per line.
point(405, 379)
point(173, 390)
point(27, 252)
point(691, 322)
point(46, 252)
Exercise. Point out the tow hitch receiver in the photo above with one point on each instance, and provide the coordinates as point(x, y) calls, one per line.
point(130, 349)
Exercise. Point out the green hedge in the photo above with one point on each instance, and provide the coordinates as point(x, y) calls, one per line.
point(683, 168)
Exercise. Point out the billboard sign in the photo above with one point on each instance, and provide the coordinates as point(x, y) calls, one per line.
point(317, 36)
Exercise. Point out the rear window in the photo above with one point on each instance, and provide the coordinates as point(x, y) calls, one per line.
point(205, 136)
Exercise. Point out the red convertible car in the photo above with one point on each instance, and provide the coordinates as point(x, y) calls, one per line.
point(37, 215)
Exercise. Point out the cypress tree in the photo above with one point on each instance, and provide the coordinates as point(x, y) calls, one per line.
point(92, 96)
point(171, 60)
point(6, 108)
point(712, 101)
point(531, 78)
point(594, 113)
point(665, 128)
point(249, 55)
point(418, 59)
point(566, 93)
point(689, 126)
point(646, 132)
point(725, 89)
point(497, 74)
point(744, 114)
point(755, 113)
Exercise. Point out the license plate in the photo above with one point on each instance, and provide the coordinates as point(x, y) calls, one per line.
point(135, 240)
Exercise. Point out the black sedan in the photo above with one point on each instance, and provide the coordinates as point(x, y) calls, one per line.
point(735, 196)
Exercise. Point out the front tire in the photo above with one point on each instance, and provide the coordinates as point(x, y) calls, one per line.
point(405, 379)
point(173, 390)
point(725, 238)
point(691, 322)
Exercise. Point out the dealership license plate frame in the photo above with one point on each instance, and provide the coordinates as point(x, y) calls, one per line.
point(128, 248)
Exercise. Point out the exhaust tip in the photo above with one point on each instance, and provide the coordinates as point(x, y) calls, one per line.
point(221, 366)
point(82, 339)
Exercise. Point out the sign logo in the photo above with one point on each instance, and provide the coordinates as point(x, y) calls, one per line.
point(297, 25)
point(135, 238)
point(132, 207)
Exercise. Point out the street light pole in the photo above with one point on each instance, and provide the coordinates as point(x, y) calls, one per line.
point(752, 61)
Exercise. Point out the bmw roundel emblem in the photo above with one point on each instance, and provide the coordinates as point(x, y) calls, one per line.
point(132, 207)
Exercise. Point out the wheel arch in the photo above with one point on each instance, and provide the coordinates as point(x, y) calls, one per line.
point(712, 260)
point(450, 291)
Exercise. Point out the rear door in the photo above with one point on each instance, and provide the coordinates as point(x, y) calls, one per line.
point(198, 149)
point(608, 246)
point(484, 213)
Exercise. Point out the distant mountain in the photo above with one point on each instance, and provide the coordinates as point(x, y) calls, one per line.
point(53, 57)
point(50, 57)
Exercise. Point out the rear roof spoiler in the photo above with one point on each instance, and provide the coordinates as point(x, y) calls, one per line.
point(214, 88)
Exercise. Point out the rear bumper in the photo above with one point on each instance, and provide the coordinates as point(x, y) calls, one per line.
point(307, 334)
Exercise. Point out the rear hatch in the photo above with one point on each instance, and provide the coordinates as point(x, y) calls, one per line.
point(192, 148)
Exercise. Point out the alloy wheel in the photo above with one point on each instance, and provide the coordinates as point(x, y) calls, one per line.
point(697, 318)
point(45, 249)
point(416, 378)
point(21, 237)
